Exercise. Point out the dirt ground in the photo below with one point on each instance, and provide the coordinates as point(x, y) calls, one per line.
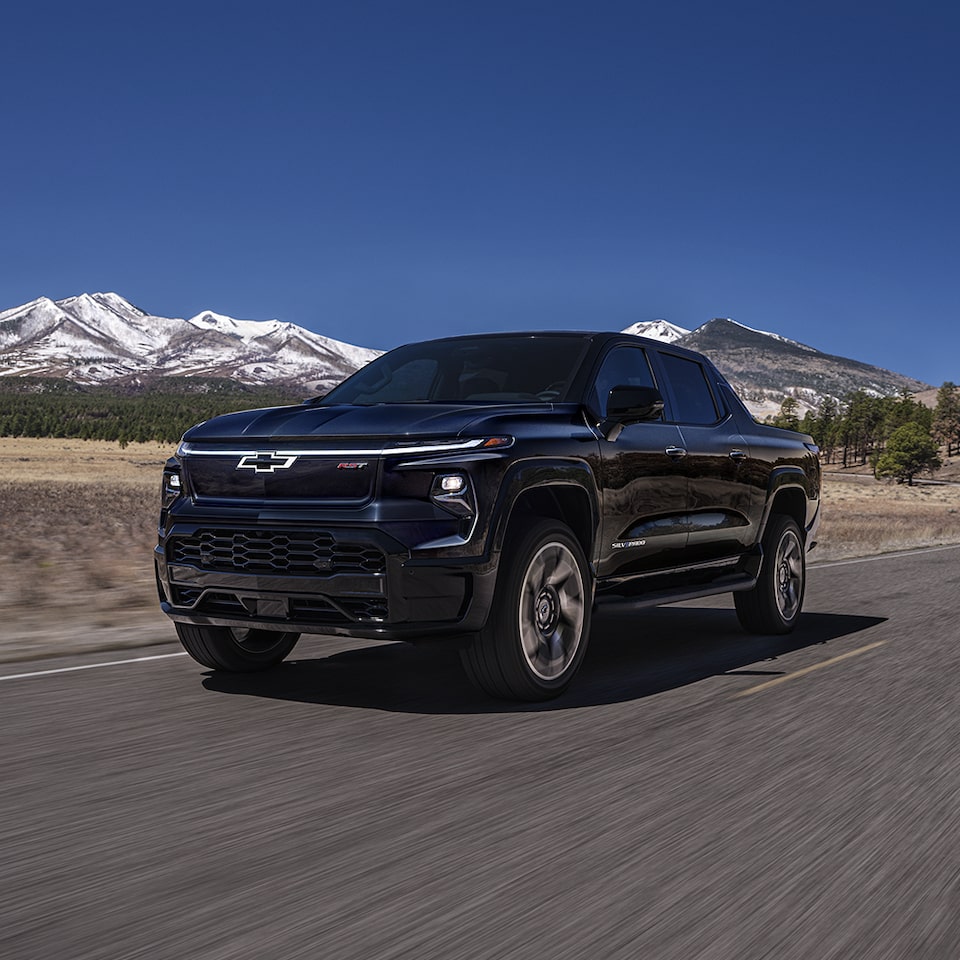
point(77, 529)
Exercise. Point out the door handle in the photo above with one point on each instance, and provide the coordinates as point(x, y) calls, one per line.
point(675, 452)
point(737, 455)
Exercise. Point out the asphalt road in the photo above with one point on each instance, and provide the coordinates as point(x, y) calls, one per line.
point(698, 794)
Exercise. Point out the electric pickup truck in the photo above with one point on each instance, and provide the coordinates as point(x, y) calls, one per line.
point(491, 492)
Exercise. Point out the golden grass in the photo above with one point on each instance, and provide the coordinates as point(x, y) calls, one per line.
point(82, 461)
point(863, 517)
point(77, 529)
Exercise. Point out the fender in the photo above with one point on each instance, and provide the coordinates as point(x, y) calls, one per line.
point(782, 478)
point(532, 474)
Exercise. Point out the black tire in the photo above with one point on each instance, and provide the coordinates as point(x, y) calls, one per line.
point(539, 624)
point(234, 649)
point(773, 606)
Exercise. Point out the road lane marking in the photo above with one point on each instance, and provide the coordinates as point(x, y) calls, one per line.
point(814, 565)
point(810, 669)
point(91, 666)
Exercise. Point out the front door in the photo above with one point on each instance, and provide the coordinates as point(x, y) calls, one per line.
point(644, 491)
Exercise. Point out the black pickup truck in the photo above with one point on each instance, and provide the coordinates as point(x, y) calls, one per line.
point(489, 490)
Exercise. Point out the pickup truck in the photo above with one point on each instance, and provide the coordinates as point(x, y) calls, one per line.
point(491, 491)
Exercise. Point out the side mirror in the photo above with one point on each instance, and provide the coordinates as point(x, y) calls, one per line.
point(628, 405)
point(633, 404)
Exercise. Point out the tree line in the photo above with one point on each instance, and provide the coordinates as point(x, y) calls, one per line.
point(126, 413)
point(896, 436)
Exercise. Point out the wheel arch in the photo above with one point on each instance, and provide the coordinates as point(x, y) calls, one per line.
point(789, 498)
point(557, 491)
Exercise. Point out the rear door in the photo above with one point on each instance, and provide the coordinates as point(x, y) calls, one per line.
point(720, 495)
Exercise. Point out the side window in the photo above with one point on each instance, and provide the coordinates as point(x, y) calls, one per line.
point(622, 367)
point(694, 400)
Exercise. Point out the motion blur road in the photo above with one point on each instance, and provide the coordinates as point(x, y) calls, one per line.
point(697, 794)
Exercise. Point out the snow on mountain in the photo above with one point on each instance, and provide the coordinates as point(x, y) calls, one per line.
point(766, 333)
point(657, 330)
point(132, 330)
point(670, 333)
point(41, 318)
point(245, 329)
point(95, 337)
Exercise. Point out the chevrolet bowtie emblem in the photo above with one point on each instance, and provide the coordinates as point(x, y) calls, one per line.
point(266, 462)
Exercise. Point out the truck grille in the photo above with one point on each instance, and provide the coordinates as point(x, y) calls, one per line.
point(273, 552)
point(305, 478)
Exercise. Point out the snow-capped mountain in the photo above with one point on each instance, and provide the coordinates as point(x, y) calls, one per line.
point(657, 330)
point(94, 338)
point(101, 336)
point(762, 333)
point(766, 367)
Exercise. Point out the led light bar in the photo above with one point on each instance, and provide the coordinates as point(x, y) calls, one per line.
point(440, 446)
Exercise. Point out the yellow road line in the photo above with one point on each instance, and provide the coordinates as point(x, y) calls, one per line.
point(810, 669)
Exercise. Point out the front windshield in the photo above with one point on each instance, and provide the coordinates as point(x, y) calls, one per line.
point(507, 369)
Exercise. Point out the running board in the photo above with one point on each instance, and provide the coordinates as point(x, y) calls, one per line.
point(655, 598)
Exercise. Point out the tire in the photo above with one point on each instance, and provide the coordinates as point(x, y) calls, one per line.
point(234, 649)
point(539, 624)
point(773, 605)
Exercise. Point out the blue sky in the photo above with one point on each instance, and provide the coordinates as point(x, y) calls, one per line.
point(383, 172)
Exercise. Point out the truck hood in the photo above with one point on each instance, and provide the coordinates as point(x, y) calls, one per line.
point(400, 420)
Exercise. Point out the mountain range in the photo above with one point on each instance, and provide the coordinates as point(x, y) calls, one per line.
point(99, 337)
point(765, 367)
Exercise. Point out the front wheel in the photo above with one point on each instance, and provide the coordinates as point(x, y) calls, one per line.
point(235, 649)
point(537, 632)
point(773, 605)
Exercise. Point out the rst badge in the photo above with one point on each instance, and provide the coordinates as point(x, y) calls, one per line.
point(352, 465)
point(266, 462)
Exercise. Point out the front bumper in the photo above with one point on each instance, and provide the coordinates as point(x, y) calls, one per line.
point(347, 581)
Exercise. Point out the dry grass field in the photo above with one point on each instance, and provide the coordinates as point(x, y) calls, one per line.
point(77, 532)
point(863, 517)
point(77, 528)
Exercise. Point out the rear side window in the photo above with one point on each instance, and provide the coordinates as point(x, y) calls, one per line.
point(694, 400)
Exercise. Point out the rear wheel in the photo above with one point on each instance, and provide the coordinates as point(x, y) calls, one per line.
point(537, 632)
point(773, 605)
point(235, 649)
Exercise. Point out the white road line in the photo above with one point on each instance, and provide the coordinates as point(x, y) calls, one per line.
point(91, 666)
point(880, 556)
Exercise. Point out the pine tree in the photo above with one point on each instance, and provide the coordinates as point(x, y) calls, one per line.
point(946, 418)
point(910, 450)
point(787, 417)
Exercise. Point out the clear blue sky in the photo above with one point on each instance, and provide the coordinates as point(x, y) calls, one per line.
point(382, 172)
